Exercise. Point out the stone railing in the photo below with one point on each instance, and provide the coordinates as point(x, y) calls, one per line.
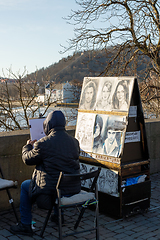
point(153, 139)
point(11, 144)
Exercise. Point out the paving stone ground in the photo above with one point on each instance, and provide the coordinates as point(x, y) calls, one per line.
point(144, 226)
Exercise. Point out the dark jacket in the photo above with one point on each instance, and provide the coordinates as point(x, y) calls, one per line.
point(52, 154)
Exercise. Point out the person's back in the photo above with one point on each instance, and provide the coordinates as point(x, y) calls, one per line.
point(60, 152)
point(56, 152)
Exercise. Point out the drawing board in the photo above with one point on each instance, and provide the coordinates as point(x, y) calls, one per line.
point(36, 128)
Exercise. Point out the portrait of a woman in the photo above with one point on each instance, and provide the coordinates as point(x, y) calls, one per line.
point(121, 96)
point(88, 96)
point(98, 142)
point(104, 103)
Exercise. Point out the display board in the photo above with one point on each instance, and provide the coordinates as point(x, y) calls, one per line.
point(111, 132)
point(103, 117)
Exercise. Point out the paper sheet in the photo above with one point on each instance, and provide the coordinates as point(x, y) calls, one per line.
point(36, 128)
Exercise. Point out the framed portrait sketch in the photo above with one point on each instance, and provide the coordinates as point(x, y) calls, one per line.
point(105, 93)
point(98, 137)
point(89, 94)
point(84, 130)
point(122, 94)
point(113, 135)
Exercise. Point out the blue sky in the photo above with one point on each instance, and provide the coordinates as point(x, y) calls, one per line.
point(31, 32)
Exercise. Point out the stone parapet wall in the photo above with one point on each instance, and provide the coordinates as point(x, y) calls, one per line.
point(11, 162)
point(11, 144)
point(153, 139)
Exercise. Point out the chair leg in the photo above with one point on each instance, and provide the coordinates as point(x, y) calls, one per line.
point(79, 218)
point(46, 221)
point(10, 198)
point(97, 214)
point(97, 222)
point(60, 222)
point(12, 204)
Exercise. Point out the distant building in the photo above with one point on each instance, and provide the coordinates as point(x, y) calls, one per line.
point(67, 93)
point(40, 98)
point(62, 93)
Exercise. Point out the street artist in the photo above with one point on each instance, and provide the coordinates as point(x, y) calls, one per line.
point(55, 152)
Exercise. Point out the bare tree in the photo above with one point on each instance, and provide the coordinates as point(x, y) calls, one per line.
point(128, 31)
point(18, 94)
point(150, 95)
point(126, 24)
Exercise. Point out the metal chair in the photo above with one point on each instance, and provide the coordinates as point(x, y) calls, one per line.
point(6, 185)
point(82, 201)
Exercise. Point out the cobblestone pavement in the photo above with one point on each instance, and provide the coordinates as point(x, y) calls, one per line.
point(141, 226)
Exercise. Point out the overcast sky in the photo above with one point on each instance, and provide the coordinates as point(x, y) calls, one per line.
point(31, 32)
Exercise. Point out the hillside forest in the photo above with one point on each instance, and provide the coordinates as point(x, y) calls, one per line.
point(89, 64)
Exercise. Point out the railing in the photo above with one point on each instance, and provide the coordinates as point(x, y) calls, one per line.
point(11, 144)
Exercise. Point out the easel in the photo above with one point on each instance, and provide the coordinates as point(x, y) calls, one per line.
point(133, 161)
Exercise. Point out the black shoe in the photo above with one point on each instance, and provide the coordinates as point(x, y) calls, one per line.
point(22, 229)
point(54, 218)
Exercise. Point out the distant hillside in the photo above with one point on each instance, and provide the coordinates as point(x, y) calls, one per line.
point(73, 68)
point(78, 66)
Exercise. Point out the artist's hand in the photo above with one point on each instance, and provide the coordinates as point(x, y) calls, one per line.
point(31, 142)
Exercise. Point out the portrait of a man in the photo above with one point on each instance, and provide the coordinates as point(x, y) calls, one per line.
point(113, 140)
